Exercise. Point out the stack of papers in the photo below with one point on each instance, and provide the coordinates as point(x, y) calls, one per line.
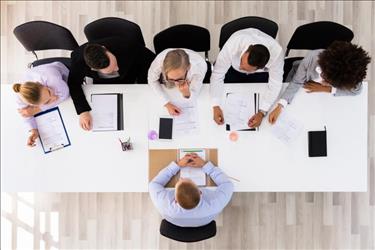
point(187, 121)
point(238, 109)
point(286, 128)
point(195, 174)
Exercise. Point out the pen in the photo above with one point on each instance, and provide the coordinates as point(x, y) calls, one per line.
point(234, 178)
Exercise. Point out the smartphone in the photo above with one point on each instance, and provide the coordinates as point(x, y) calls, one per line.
point(165, 128)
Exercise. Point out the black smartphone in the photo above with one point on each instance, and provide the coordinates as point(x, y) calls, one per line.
point(165, 128)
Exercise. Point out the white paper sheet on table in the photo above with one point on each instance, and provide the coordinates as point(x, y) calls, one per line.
point(286, 128)
point(51, 130)
point(104, 112)
point(187, 121)
point(195, 174)
point(239, 107)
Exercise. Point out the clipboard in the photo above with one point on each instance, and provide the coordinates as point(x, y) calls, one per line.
point(256, 108)
point(44, 125)
point(120, 110)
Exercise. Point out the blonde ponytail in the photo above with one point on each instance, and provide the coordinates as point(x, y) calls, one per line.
point(30, 91)
point(17, 87)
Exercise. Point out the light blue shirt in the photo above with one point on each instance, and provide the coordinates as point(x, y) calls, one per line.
point(212, 201)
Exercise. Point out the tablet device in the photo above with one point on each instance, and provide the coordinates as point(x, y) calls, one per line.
point(165, 128)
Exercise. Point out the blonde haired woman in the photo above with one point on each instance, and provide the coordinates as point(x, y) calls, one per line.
point(176, 75)
point(43, 87)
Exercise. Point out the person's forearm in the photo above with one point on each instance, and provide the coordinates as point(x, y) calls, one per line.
point(270, 95)
point(291, 91)
point(78, 96)
point(343, 92)
point(165, 175)
point(216, 174)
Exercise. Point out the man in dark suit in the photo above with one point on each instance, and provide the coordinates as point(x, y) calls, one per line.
point(107, 61)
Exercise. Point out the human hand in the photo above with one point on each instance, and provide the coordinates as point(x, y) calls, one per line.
point(29, 111)
point(183, 162)
point(197, 162)
point(256, 120)
point(184, 88)
point(172, 109)
point(275, 113)
point(218, 115)
point(85, 120)
point(312, 86)
point(34, 134)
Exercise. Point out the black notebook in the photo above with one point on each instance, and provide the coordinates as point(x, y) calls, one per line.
point(317, 143)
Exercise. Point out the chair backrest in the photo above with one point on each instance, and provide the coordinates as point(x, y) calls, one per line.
point(263, 24)
point(114, 26)
point(42, 35)
point(318, 35)
point(183, 36)
point(187, 234)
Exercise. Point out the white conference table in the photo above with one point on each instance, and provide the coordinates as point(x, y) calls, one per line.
point(95, 162)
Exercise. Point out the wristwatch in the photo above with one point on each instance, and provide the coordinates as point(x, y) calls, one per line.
point(263, 112)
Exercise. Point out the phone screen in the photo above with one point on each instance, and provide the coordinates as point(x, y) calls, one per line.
point(165, 128)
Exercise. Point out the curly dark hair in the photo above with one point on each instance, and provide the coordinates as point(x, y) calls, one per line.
point(344, 64)
point(95, 56)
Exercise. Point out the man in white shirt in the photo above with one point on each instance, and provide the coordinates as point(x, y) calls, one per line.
point(248, 51)
point(187, 205)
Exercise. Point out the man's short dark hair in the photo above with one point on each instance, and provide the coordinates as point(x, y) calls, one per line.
point(95, 56)
point(258, 56)
point(343, 64)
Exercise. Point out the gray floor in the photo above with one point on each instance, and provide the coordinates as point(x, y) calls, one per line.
point(252, 220)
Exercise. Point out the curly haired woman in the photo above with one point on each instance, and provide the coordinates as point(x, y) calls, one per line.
point(338, 70)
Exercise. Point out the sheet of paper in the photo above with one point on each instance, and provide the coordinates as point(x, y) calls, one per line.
point(51, 130)
point(195, 174)
point(187, 122)
point(286, 128)
point(239, 107)
point(104, 112)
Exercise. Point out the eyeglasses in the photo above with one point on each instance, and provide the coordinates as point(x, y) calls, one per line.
point(177, 81)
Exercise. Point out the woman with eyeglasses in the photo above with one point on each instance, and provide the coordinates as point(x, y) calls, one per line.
point(42, 88)
point(176, 75)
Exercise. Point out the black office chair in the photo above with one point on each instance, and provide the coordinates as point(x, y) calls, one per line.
point(316, 35)
point(185, 36)
point(265, 25)
point(187, 234)
point(42, 35)
point(114, 26)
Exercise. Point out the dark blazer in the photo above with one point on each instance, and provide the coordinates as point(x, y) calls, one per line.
point(133, 61)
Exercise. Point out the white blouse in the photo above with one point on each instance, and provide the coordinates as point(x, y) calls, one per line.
point(195, 75)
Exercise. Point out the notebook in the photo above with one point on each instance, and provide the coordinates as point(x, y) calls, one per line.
point(317, 143)
point(107, 112)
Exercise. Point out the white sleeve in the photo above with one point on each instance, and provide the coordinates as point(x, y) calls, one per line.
point(154, 79)
point(197, 78)
point(275, 82)
point(222, 64)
